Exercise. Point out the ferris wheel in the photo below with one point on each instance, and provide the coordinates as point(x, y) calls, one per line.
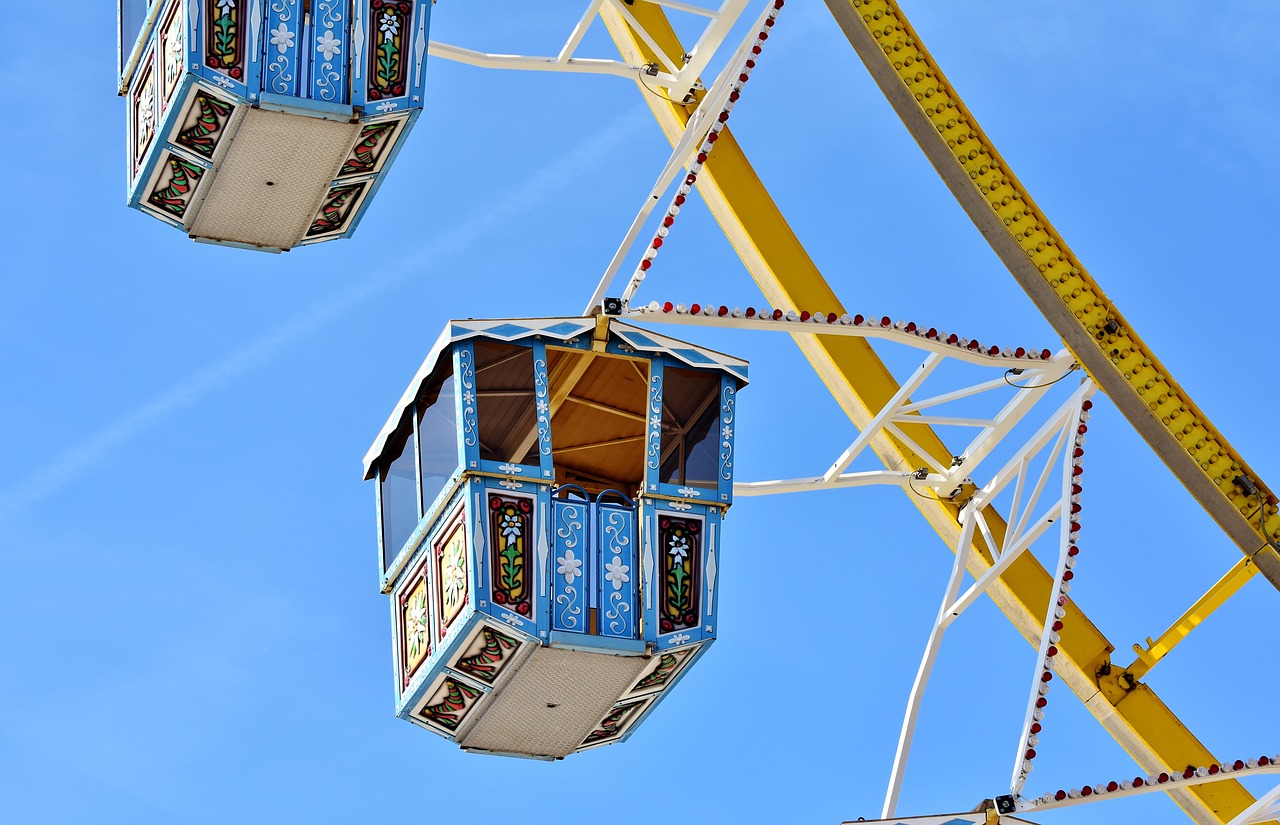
point(552, 490)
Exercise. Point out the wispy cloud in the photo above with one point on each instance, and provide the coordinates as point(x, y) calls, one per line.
point(565, 170)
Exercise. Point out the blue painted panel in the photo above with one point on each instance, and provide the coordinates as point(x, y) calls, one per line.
point(653, 438)
point(281, 69)
point(543, 407)
point(617, 568)
point(464, 367)
point(571, 564)
point(520, 472)
point(328, 50)
point(728, 411)
point(649, 568)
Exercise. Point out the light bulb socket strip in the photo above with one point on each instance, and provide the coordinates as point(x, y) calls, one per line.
point(1058, 612)
point(1163, 781)
point(704, 151)
point(868, 326)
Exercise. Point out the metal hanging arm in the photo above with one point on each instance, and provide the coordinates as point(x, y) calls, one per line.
point(690, 151)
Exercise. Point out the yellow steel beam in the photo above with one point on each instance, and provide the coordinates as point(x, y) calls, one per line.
point(861, 384)
point(1223, 589)
point(1073, 303)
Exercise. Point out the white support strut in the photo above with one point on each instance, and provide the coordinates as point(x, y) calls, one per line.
point(1055, 431)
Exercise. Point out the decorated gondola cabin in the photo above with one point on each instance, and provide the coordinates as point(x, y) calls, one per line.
point(550, 495)
point(267, 124)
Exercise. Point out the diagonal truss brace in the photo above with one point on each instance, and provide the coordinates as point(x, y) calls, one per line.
point(1026, 526)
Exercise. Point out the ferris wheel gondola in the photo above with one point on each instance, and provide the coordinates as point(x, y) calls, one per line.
point(550, 500)
point(267, 125)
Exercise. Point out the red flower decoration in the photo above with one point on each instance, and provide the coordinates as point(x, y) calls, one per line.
point(523, 608)
point(500, 597)
point(236, 73)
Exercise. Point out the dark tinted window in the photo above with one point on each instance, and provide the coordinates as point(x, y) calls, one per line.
point(690, 427)
point(504, 403)
point(399, 496)
point(133, 13)
point(437, 436)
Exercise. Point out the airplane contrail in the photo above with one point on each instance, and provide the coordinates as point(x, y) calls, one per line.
point(564, 170)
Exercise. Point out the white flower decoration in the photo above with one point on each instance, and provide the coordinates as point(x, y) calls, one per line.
point(570, 567)
point(679, 548)
point(617, 573)
point(282, 38)
point(726, 431)
point(390, 26)
point(680, 638)
point(226, 5)
point(328, 45)
point(453, 580)
point(510, 528)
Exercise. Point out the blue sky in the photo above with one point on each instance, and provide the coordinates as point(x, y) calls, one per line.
point(188, 585)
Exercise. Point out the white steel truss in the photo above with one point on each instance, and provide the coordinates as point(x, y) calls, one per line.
point(1029, 519)
point(679, 81)
point(1034, 372)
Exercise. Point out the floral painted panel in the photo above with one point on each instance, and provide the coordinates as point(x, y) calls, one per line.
point(449, 705)
point(662, 670)
point(225, 36)
point(375, 139)
point(488, 654)
point(204, 125)
point(679, 551)
point(337, 208)
point(171, 55)
point(143, 107)
point(510, 542)
point(415, 627)
point(452, 575)
point(616, 722)
point(388, 57)
point(175, 186)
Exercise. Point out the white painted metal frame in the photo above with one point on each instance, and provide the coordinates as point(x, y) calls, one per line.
point(1025, 528)
point(675, 78)
point(1034, 374)
point(695, 132)
point(1265, 809)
